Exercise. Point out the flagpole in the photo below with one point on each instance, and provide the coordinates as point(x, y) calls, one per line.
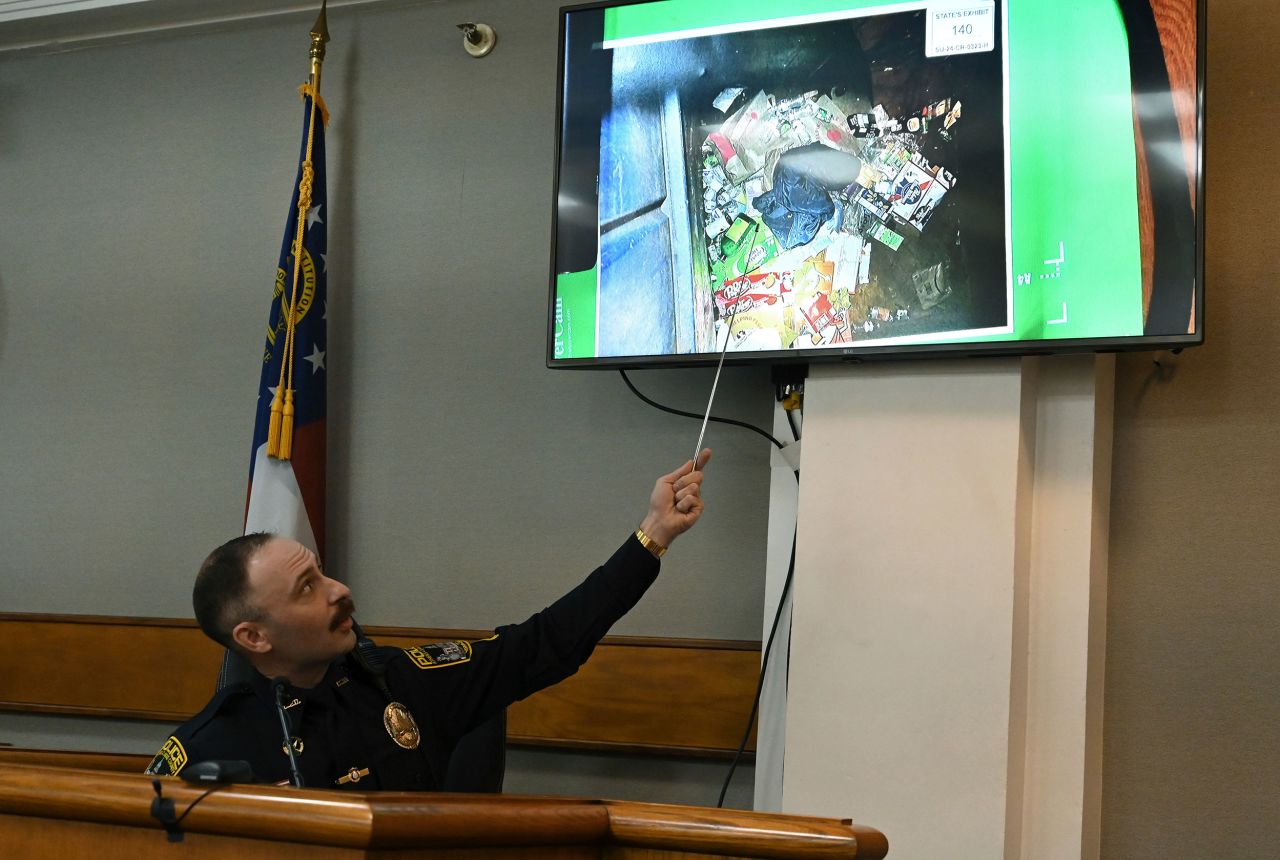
point(280, 428)
point(319, 36)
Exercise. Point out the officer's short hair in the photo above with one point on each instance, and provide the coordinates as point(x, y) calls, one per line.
point(220, 596)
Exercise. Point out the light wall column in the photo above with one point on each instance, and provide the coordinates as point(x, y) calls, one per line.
point(949, 607)
point(771, 723)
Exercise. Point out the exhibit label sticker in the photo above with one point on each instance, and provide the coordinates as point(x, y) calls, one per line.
point(959, 28)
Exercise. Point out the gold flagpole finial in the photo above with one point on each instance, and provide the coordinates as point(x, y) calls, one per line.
point(319, 36)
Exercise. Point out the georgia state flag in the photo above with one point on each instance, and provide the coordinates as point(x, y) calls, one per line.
point(286, 497)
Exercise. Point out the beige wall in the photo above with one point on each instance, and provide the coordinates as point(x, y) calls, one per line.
point(1192, 728)
point(144, 188)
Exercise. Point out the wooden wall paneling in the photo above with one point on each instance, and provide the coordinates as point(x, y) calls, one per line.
point(142, 668)
point(662, 696)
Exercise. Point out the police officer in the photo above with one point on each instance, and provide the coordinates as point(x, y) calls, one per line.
point(387, 718)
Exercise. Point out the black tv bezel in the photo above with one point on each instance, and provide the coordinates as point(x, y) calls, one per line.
point(895, 352)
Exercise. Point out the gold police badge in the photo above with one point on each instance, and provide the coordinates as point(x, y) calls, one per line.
point(401, 726)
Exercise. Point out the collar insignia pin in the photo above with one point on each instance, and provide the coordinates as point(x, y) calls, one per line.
point(353, 776)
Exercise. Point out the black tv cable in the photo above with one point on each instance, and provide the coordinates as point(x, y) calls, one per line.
point(786, 585)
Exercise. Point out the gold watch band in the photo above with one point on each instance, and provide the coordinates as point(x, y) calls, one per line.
point(650, 544)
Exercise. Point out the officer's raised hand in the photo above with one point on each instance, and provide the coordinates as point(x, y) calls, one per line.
point(676, 502)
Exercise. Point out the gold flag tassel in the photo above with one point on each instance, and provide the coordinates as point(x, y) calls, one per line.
point(286, 427)
point(284, 448)
point(273, 428)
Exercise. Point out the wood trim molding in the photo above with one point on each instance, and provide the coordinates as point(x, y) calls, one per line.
point(419, 634)
point(119, 762)
point(164, 669)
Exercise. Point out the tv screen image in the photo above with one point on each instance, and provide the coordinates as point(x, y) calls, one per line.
point(871, 179)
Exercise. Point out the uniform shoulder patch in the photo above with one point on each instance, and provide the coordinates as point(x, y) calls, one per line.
point(171, 759)
point(439, 654)
point(173, 755)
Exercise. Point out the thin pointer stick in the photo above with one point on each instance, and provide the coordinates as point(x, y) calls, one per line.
point(728, 334)
point(715, 382)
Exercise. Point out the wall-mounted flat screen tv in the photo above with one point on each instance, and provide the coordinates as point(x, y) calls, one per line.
point(847, 179)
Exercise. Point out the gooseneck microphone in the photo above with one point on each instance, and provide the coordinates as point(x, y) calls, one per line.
point(278, 686)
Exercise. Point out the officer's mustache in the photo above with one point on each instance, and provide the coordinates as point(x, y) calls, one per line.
point(346, 608)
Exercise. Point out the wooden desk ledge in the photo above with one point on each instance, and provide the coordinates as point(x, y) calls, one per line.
point(741, 833)
point(119, 804)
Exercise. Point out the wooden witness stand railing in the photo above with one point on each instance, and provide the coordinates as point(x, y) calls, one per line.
point(56, 811)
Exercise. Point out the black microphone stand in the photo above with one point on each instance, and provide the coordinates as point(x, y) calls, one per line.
point(278, 686)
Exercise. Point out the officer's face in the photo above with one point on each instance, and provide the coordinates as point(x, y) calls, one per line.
point(306, 615)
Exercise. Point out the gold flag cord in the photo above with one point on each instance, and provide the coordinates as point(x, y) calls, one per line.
point(280, 427)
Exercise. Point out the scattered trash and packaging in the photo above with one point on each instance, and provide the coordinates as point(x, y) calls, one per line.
point(798, 196)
